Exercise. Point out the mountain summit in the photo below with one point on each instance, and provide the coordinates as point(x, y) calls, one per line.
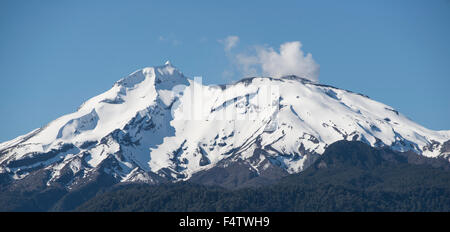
point(157, 125)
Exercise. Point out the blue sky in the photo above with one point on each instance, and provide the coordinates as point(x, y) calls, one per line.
point(54, 55)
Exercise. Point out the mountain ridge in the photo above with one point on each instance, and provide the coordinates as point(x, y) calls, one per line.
point(156, 125)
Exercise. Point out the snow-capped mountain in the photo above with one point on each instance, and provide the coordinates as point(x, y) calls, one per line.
point(158, 125)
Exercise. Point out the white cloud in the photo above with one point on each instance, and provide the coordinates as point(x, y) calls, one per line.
point(247, 64)
point(169, 39)
point(176, 42)
point(291, 60)
point(229, 42)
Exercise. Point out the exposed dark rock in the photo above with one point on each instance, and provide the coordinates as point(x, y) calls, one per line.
point(395, 111)
point(445, 147)
point(33, 158)
point(204, 160)
point(88, 144)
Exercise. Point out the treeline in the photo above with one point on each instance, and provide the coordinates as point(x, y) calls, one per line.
point(192, 197)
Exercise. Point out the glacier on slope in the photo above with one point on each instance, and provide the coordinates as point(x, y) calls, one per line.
point(158, 124)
